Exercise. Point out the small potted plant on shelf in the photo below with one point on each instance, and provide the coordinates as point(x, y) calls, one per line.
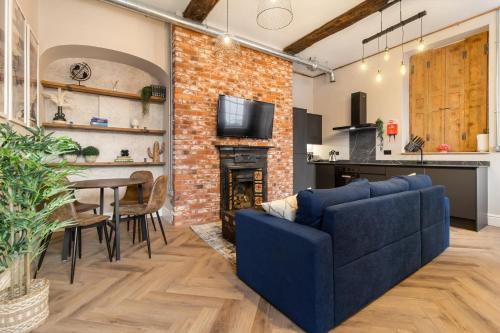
point(90, 153)
point(74, 150)
point(31, 190)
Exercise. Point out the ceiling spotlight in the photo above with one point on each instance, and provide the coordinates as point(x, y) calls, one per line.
point(378, 78)
point(332, 76)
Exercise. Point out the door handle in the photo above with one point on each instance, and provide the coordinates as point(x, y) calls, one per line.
point(346, 176)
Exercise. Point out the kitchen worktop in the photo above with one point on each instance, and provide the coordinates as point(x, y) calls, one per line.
point(407, 163)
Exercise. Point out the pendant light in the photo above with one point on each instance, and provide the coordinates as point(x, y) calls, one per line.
point(421, 45)
point(402, 68)
point(225, 44)
point(378, 78)
point(363, 61)
point(386, 51)
point(274, 14)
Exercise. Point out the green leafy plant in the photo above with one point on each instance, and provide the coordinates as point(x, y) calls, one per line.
point(72, 147)
point(146, 94)
point(379, 124)
point(31, 190)
point(90, 151)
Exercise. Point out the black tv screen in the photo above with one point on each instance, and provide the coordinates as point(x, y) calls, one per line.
point(238, 117)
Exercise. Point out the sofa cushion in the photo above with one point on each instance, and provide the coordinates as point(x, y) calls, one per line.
point(285, 208)
point(391, 186)
point(417, 182)
point(313, 202)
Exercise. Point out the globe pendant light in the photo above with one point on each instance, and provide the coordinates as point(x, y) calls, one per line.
point(274, 14)
point(226, 45)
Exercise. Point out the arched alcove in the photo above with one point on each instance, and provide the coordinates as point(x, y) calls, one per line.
point(86, 51)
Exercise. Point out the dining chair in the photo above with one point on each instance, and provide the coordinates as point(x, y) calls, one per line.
point(140, 211)
point(82, 207)
point(131, 196)
point(81, 221)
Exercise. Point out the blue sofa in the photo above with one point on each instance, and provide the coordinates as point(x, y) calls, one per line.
point(347, 247)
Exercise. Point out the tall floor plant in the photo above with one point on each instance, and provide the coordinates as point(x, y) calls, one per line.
point(31, 190)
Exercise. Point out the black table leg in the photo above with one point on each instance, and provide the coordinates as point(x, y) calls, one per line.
point(117, 221)
point(66, 244)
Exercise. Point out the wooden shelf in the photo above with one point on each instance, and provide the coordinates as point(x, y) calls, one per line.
point(114, 164)
point(98, 91)
point(104, 129)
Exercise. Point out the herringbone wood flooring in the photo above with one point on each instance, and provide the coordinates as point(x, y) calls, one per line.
point(188, 287)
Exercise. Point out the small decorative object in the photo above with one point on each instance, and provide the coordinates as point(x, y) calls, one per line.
point(443, 148)
point(482, 143)
point(28, 184)
point(90, 153)
point(157, 151)
point(124, 153)
point(379, 124)
point(392, 129)
point(80, 72)
point(115, 83)
point(71, 154)
point(159, 91)
point(96, 121)
point(60, 100)
point(134, 123)
point(274, 14)
point(146, 94)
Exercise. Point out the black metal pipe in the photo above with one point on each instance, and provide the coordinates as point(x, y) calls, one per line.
point(396, 26)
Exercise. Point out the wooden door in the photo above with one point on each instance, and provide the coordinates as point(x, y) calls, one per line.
point(476, 90)
point(437, 100)
point(419, 95)
point(454, 99)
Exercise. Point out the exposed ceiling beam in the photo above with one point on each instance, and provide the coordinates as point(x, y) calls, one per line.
point(353, 15)
point(198, 10)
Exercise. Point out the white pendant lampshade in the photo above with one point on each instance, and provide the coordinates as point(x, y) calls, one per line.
point(274, 14)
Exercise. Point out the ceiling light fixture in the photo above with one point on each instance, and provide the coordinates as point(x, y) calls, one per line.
point(225, 44)
point(402, 68)
point(421, 45)
point(274, 14)
point(378, 78)
point(363, 61)
point(387, 56)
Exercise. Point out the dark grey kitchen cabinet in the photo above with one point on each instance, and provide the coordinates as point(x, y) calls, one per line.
point(467, 190)
point(392, 171)
point(300, 177)
point(325, 176)
point(314, 129)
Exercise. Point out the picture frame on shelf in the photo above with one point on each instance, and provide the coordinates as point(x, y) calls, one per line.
point(18, 55)
point(33, 78)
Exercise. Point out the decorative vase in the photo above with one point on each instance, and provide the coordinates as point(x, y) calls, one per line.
point(443, 148)
point(70, 158)
point(134, 123)
point(59, 117)
point(91, 158)
point(24, 314)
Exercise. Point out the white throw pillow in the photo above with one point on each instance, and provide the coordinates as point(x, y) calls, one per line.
point(284, 208)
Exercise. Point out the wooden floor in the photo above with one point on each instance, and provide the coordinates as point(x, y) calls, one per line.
point(188, 287)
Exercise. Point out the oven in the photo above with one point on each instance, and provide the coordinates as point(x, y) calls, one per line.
point(346, 174)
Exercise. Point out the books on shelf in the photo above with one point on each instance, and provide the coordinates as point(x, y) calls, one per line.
point(124, 159)
point(96, 121)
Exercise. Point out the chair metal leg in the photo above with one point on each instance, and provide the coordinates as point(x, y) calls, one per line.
point(99, 234)
point(147, 235)
point(106, 236)
point(128, 223)
point(134, 225)
point(45, 245)
point(80, 245)
point(161, 228)
point(73, 254)
point(153, 220)
point(95, 211)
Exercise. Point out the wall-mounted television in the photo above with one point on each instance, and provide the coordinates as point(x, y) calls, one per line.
point(243, 118)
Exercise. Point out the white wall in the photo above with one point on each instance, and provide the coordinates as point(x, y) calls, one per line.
point(303, 94)
point(389, 100)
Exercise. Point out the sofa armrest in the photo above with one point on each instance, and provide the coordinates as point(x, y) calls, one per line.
point(288, 264)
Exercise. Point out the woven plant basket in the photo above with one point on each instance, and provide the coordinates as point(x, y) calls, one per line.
point(25, 313)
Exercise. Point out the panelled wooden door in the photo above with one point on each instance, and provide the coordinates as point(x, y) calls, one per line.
point(449, 94)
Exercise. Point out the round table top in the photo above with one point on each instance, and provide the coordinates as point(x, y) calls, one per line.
point(105, 183)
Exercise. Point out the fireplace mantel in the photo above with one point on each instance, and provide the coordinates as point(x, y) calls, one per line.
point(224, 145)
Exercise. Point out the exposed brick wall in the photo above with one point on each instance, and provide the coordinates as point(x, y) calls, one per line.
point(199, 79)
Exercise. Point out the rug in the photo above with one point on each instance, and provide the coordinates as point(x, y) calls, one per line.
point(211, 233)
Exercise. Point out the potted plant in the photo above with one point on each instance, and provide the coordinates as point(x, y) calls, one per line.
point(90, 153)
point(146, 94)
point(74, 149)
point(31, 190)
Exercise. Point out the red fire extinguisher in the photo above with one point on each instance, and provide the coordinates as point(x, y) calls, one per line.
point(392, 129)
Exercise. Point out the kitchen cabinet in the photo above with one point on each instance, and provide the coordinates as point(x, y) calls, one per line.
point(449, 94)
point(314, 129)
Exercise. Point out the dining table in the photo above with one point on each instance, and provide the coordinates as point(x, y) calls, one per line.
point(114, 184)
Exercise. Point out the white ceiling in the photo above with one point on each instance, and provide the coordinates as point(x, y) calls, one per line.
point(345, 46)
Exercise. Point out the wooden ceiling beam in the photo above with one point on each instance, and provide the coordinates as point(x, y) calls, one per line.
point(353, 15)
point(198, 10)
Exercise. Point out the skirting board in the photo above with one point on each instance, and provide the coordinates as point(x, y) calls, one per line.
point(494, 220)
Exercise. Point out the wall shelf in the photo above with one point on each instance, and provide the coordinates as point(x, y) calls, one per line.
point(114, 164)
point(97, 91)
point(140, 131)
